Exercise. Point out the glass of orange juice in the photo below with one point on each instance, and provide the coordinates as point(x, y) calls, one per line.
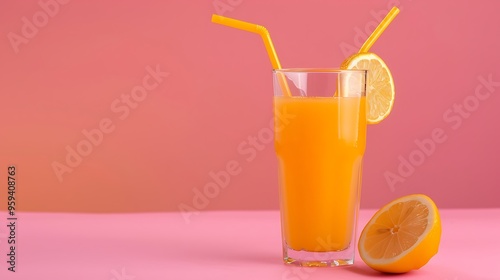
point(320, 137)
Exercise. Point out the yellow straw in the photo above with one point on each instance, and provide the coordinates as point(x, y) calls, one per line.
point(254, 28)
point(379, 30)
point(262, 31)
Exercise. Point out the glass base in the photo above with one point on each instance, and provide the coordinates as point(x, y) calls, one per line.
point(315, 259)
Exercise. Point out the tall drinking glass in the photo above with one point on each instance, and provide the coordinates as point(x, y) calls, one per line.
point(320, 137)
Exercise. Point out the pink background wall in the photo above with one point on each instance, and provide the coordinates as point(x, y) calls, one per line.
point(77, 67)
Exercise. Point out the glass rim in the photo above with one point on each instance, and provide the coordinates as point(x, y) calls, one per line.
point(319, 70)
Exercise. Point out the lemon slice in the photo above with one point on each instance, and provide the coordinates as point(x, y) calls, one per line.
point(402, 236)
point(379, 84)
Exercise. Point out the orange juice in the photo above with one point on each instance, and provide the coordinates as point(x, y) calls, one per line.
point(320, 152)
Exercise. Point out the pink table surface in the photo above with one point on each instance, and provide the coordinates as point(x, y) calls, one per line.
point(218, 245)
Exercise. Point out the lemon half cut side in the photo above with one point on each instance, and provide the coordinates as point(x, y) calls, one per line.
point(402, 236)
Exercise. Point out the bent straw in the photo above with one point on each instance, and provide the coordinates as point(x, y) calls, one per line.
point(379, 30)
point(262, 31)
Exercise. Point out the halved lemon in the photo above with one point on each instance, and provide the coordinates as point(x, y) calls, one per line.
point(402, 236)
point(379, 84)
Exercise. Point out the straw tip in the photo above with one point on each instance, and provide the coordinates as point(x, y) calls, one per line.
point(216, 18)
point(395, 10)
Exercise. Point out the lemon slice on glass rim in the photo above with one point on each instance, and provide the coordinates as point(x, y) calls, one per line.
point(379, 84)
